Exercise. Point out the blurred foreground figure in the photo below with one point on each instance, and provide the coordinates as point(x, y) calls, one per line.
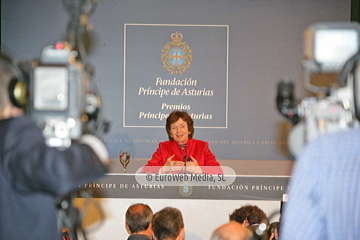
point(324, 198)
point(32, 174)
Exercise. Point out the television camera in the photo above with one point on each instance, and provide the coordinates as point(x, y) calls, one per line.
point(331, 72)
point(58, 92)
point(62, 96)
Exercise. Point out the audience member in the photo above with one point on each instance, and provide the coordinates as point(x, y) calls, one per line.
point(274, 235)
point(138, 222)
point(168, 224)
point(249, 215)
point(325, 190)
point(231, 231)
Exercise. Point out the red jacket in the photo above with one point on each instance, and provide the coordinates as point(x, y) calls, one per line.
point(196, 148)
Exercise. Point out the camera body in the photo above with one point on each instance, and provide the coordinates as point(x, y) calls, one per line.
point(58, 96)
point(331, 73)
point(63, 98)
point(315, 116)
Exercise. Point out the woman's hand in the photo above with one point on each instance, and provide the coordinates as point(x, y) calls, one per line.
point(170, 165)
point(274, 235)
point(168, 161)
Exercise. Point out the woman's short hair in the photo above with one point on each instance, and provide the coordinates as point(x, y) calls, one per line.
point(174, 117)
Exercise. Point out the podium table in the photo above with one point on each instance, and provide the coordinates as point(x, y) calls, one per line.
point(204, 208)
point(243, 188)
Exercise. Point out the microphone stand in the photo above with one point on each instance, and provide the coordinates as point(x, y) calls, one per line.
point(184, 159)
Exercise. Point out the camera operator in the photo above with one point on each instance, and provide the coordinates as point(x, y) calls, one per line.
point(323, 200)
point(325, 190)
point(32, 174)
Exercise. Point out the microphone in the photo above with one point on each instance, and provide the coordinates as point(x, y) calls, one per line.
point(185, 160)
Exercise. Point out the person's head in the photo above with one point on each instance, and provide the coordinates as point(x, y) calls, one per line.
point(248, 215)
point(7, 74)
point(179, 126)
point(231, 231)
point(168, 224)
point(138, 219)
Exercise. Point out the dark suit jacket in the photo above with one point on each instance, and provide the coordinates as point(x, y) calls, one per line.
point(138, 237)
point(32, 174)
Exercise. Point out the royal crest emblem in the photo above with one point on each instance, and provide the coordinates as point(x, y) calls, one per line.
point(185, 189)
point(176, 56)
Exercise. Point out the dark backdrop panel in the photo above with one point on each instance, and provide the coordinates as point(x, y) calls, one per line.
point(264, 45)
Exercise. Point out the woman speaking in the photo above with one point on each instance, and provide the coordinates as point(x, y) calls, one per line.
point(182, 152)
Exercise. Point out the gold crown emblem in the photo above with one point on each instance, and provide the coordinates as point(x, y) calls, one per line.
point(176, 37)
